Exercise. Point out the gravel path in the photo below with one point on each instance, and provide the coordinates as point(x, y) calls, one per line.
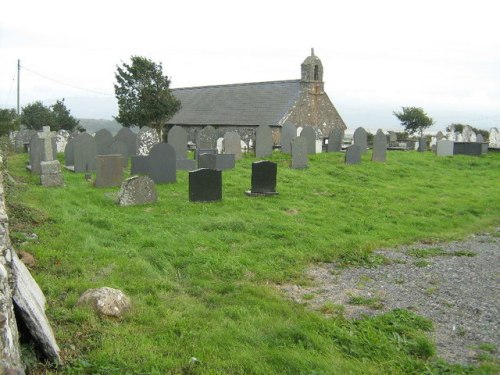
point(456, 285)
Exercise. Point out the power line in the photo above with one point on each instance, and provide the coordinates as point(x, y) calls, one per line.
point(7, 97)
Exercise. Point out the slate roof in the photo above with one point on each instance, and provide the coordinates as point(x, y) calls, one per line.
point(245, 104)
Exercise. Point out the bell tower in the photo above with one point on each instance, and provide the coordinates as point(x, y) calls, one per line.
point(312, 74)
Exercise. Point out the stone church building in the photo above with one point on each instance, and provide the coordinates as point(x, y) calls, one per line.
point(242, 107)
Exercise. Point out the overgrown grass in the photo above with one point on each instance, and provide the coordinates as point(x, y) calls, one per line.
point(201, 276)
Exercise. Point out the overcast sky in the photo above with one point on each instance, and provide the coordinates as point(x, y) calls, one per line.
point(377, 56)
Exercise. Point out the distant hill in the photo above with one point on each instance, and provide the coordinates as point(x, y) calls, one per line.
point(93, 125)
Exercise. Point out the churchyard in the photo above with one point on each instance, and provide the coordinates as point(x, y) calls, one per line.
point(204, 278)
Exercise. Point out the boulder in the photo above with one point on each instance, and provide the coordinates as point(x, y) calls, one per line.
point(105, 301)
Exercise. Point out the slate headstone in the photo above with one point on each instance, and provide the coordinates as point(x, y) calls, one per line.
point(444, 148)
point(85, 152)
point(263, 141)
point(299, 153)
point(137, 190)
point(310, 135)
point(361, 139)
point(215, 161)
point(263, 178)
point(161, 163)
point(288, 133)
point(109, 170)
point(139, 164)
point(479, 138)
point(335, 140)
point(69, 153)
point(185, 164)
point(146, 139)
point(232, 144)
point(177, 138)
point(353, 154)
point(201, 151)
point(422, 145)
point(36, 153)
point(128, 137)
point(119, 148)
point(379, 147)
point(103, 140)
point(207, 138)
point(467, 148)
point(205, 185)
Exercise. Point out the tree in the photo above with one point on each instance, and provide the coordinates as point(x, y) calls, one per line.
point(414, 119)
point(8, 121)
point(63, 118)
point(36, 115)
point(144, 96)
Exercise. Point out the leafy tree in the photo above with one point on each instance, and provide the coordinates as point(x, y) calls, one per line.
point(63, 118)
point(8, 121)
point(414, 119)
point(36, 115)
point(144, 96)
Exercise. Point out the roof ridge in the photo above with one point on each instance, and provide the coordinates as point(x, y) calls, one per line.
point(236, 84)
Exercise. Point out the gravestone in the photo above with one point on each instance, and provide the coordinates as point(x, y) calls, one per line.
point(109, 170)
point(22, 139)
point(146, 139)
point(220, 145)
point(137, 190)
point(205, 185)
point(177, 138)
point(467, 148)
point(494, 138)
point(299, 153)
point(479, 138)
point(335, 140)
point(128, 137)
point(215, 161)
point(161, 163)
point(467, 134)
point(103, 140)
point(360, 139)
point(85, 152)
point(206, 138)
point(422, 145)
point(200, 151)
point(50, 174)
point(62, 138)
point(185, 164)
point(439, 136)
point(444, 148)
point(379, 147)
point(393, 137)
point(263, 178)
point(263, 141)
point(36, 153)
point(119, 148)
point(310, 136)
point(139, 164)
point(232, 144)
point(69, 153)
point(288, 133)
point(353, 154)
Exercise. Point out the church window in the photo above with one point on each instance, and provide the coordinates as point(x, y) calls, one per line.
point(316, 72)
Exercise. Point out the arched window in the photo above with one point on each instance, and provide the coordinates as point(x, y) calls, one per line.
point(315, 72)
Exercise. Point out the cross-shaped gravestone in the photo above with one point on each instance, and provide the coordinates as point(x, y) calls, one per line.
point(46, 135)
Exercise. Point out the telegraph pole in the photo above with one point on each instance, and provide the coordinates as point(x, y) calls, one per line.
point(18, 76)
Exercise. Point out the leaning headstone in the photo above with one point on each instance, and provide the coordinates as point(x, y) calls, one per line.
point(50, 174)
point(177, 138)
point(299, 153)
point(207, 138)
point(128, 137)
point(109, 170)
point(467, 134)
point(263, 141)
point(353, 154)
point(379, 147)
point(69, 153)
point(103, 140)
point(139, 164)
point(288, 133)
point(310, 135)
point(232, 144)
point(444, 148)
point(85, 152)
point(360, 139)
point(205, 185)
point(215, 161)
point(119, 148)
point(137, 190)
point(494, 138)
point(146, 139)
point(422, 145)
point(161, 163)
point(335, 140)
point(263, 178)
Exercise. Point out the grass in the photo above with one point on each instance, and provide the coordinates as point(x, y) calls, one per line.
point(201, 276)
point(371, 302)
point(437, 251)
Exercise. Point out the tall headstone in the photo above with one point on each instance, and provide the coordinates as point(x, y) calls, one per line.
point(137, 190)
point(263, 178)
point(494, 138)
point(139, 164)
point(422, 145)
point(85, 152)
point(310, 136)
point(69, 153)
point(119, 148)
point(263, 141)
point(128, 137)
point(109, 170)
point(146, 139)
point(36, 153)
point(161, 163)
point(444, 148)
point(379, 147)
point(353, 154)
point(62, 138)
point(467, 134)
point(288, 133)
point(207, 138)
point(177, 138)
point(205, 185)
point(335, 140)
point(103, 140)
point(299, 153)
point(360, 139)
point(232, 144)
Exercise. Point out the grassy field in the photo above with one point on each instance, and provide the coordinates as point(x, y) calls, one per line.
point(202, 277)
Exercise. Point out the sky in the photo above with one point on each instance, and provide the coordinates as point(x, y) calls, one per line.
point(378, 56)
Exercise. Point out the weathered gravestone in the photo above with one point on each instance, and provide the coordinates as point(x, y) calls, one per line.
point(494, 138)
point(444, 148)
point(137, 190)
point(146, 139)
point(479, 138)
point(353, 154)
point(232, 144)
point(177, 138)
point(43, 147)
point(69, 153)
point(22, 139)
point(310, 136)
point(288, 133)
point(299, 153)
point(62, 138)
point(205, 185)
point(161, 163)
point(51, 173)
point(263, 178)
point(360, 139)
point(215, 161)
point(128, 137)
point(422, 145)
point(379, 147)
point(263, 141)
point(200, 151)
point(85, 152)
point(139, 164)
point(119, 148)
point(439, 136)
point(206, 138)
point(393, 137)
point(220, 145)
point(103, 140)
point(109, 170)
point(467, 134)
point(335, 140)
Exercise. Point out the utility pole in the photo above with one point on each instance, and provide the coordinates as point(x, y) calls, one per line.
point(18, 76)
